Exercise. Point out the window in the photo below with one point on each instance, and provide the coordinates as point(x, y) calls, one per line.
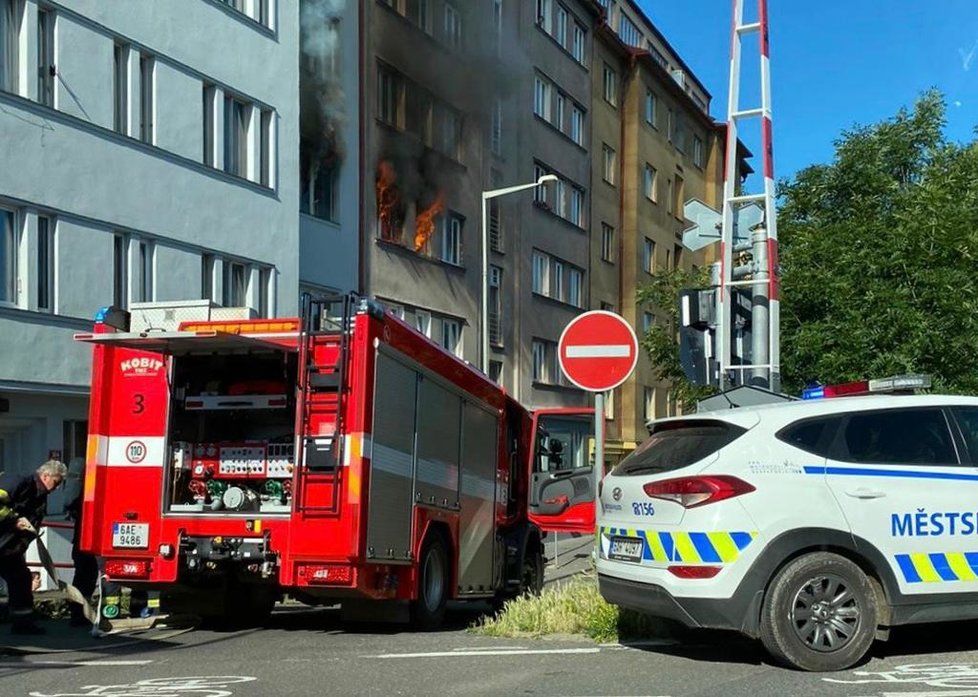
point(673, 446)
point(318, 191)
point(679, 204)
point(420, 15)
point(649, 410)
point(544, 362)
point(560, 198)
point(46, 69)
point(541, 194)
point(560, 26)
point(395, 309)
point(607, 242)
point(147, 106)
point(8, 257)
point(628, 32)
point(235, 136)
point(146, 254)
point(677, 256)
point(899, 437)
point(577, 125)
point(579, 46)
point(541, 273)
point(698, 151)
point(451, 336)
point(265, 148)
point(497, 23)
point(264, 283)
point(235, 284)
point(495, 225)
point(422, 322)
point(668, 260)
point(575, 286)
point(496, 135)
point(390, 98)
point(449, 128)
point(650, 107)
point(451, 247)
point(811, 435)
point(577, 206)
point(541, 99)
point(496, 371)
point(120, 91)
point(609, 164)
point(648, 257)
point(557, 278)
point(495, 306)
point(120, 271)
point(207, 277)
point(10, 18)
point(648, 321)
point(45, 263)
point(649, 182)
point(670, 200)
point(559, 112)
point(545, 14)
point(610, 85)
point(453, 27)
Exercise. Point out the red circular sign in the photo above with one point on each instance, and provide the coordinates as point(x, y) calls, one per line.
point(598, 351)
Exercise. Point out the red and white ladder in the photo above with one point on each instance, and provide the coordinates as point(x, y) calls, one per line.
point(762, 275)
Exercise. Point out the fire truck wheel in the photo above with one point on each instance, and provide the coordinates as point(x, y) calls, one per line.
point(428, 611)
point(531, 579)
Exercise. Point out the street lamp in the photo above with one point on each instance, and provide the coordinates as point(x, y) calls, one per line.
point(486, 196)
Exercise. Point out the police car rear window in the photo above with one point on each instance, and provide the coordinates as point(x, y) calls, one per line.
point(811, 435)
point(677, 444)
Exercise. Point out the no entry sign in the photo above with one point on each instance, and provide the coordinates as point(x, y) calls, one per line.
point(598, 351)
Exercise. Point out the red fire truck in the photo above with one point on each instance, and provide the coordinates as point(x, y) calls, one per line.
point(337, 457)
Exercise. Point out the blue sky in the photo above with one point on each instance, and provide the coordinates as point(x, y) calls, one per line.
point(835, 63)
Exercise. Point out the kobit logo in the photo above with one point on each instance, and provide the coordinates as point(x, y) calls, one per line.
point(141, 366)
point(616, 494)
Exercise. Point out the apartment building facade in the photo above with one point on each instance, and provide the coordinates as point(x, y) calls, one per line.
point(141, 165)
point(656, 147)
point(423, 129)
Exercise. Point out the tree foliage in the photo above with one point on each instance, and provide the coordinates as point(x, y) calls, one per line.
point(878, 254)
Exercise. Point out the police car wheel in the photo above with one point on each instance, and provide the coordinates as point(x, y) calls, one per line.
point(428, 611)
point(819, 613)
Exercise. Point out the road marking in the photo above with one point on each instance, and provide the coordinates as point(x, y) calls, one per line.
point(598, 351)
point(21, 664)
point(485, 652)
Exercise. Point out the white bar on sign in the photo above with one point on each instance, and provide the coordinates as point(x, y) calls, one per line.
point(612, 351)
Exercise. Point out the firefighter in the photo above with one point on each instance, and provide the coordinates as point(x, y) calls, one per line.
point(23, 502)
point(86, 565)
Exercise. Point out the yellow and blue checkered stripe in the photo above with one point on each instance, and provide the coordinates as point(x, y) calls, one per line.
point(718, 547)
point(938, 567)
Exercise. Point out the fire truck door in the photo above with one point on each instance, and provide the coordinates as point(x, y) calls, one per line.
point(561, 477)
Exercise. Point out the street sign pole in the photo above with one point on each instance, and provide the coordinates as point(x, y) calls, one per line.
point(598, 450)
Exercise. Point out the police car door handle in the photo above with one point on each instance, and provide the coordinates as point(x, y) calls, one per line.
point(865, 493)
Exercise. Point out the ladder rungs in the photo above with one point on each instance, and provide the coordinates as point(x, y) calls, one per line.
point(748, 198)
point(748, 28)
point(747, 113)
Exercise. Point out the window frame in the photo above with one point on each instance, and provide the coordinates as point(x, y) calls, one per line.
point(45, 263)
point(839, 450)
point(47, 20)
point(11, 235)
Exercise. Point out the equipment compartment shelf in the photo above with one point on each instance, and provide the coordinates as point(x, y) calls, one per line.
point(228, 402)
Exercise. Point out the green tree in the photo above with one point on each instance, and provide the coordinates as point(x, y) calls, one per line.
point(878, 254)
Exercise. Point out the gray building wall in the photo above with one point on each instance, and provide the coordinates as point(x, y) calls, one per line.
point(70, 163)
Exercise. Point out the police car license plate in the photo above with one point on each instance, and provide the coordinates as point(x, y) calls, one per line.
point(130, 535)
point(625, 549)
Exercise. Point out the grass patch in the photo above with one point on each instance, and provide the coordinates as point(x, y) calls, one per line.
point(573, 607)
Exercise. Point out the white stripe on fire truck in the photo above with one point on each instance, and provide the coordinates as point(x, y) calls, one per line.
point(135, 451)
point(598, 351)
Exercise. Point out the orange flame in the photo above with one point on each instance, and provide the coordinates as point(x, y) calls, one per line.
point(424, 226)
point(388, 198)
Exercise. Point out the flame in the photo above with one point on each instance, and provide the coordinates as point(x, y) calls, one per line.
point(388, 198)
point(424, 226)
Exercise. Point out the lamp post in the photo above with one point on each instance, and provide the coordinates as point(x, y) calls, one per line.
point(486, 197)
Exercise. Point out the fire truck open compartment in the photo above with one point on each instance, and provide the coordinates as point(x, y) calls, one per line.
point(231, 434)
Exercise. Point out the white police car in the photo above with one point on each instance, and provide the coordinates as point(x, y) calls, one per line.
point(813, 525)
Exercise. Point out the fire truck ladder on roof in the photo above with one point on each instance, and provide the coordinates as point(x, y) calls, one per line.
point(763, 370)
point(319, 458)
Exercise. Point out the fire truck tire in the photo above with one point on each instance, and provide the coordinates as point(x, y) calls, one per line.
point(531, 577)
point(428, 611)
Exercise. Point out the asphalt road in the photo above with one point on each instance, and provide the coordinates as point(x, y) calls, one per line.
point(310, 652)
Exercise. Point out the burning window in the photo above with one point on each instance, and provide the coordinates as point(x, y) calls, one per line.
point(390, 207)
point(425, 221)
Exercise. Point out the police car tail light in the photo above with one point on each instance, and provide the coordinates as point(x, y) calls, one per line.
point(690, 492)
point(695, 571)
point(127, 568)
